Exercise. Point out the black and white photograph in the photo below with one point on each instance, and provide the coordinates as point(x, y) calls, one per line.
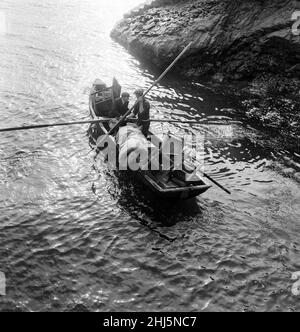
point(149, 158)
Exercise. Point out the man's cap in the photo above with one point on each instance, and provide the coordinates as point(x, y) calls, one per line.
point(139, 92)
point(125, 94)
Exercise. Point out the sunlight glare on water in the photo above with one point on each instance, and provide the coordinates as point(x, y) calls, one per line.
point(3, 27)
point(117, 8)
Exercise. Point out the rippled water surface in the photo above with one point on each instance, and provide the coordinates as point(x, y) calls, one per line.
point(72, 235)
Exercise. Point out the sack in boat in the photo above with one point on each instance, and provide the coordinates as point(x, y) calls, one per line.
point(133, 148)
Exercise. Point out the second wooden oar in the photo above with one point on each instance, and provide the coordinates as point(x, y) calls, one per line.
point(102, 120)
point(217, 183)
point(200, 122)
point(47, 125)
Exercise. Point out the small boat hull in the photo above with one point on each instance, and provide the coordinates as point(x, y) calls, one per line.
point(172, 193)
point(159, 182)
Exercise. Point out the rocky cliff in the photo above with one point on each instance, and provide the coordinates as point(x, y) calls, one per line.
point(235, 39)
point(257, 41)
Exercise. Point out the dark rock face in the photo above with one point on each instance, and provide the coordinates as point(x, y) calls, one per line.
point(250, 40)
point(234, 39)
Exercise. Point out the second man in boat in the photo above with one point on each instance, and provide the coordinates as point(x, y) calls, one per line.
point(141, 110)
point(120, 106)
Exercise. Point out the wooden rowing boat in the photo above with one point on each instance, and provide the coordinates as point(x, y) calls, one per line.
point(167, 184)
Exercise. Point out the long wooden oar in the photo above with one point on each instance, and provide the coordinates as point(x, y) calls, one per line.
point(211, 179)
point(117, 126)
point(217, 183)
point(46, 125)
point(102, 120)
point(200, 122)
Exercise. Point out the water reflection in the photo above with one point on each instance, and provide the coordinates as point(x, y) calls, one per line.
point(142, 204)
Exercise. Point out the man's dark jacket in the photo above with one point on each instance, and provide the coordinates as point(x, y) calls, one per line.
point(119, 109)
point(144, 117)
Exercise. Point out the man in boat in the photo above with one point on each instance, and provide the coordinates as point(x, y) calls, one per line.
point(142, 111)
point(120, 106)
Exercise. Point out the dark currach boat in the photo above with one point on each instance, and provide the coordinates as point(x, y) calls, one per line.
point(166, 184)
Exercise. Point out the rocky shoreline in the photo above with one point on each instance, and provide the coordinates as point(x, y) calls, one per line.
point(233, 40)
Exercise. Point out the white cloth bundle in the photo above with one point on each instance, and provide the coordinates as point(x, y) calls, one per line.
point(133, 148)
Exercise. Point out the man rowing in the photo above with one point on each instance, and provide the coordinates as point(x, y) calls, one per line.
point(142, 111)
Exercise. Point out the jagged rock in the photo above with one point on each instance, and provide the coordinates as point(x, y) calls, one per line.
point(297, 177)
point(288, 171)
point(249, 40)
point(218, 77)
point(238, 39)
